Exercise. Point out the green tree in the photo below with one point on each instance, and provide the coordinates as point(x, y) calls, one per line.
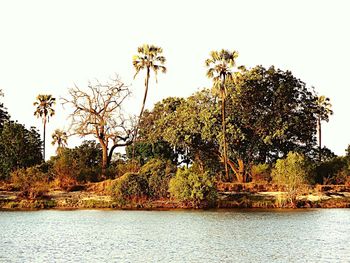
point(270, 113)
point(220, 66)
point(188, 126)
point(145, 151)
point(149, 57)
point(4, 116)
point(20, 148)
point(60, 138)
point(44, 109)
point(323, 112)
point(152, 129)
point(80, 164)
point(292, 174)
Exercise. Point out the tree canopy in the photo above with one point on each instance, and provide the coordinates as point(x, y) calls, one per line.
point(20, 148)
point(269, 113)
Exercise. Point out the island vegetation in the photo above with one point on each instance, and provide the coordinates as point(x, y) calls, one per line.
point(253, 139)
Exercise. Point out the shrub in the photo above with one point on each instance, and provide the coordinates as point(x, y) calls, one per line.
point(123, 167)
point(159, 172)
point(334, 171)
point(65, 169)
point(78, 165)
point(130, 186)
point(30, 181)
point(193, 186)
point(291, 173)
point(261, 172)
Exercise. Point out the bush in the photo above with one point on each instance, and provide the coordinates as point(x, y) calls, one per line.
point(30, 181)
point(334, 171)
point(291, 173)
point(66, 171)
point(130, 186)
point(158, 172)
point(123, 167)
point(78, 165)
point(261, 173)
point(193, 186)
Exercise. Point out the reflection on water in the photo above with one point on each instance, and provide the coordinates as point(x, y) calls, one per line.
point(176, 236)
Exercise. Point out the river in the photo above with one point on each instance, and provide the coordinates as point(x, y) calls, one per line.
point(310, 235)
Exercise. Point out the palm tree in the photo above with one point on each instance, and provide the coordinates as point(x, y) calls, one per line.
point(60, 137)
point(324, 111)
point(149, 57)
point(44, 110)
point(220, 66)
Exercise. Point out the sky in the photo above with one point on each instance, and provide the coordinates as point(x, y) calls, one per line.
point(46, 47)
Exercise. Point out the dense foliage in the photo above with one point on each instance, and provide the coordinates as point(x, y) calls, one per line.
point(291, 174)
point(80, 164)
point(31, 181)
point(4, 116)
point(20, 148)
point(254, 124)
point(158, 173)
point(269, 113)
point(131, 187)
point(193, 186)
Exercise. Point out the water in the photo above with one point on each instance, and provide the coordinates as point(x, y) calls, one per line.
point(316, 235)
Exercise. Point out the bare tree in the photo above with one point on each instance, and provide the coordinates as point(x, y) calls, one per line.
point(98, 112)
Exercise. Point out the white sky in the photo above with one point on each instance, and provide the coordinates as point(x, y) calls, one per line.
point(46, 46)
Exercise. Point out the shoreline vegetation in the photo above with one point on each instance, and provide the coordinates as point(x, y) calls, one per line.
point(253, 139)
point(230, 195)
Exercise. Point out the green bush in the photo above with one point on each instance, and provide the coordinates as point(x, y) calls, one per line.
point(334, 171)
point(130, 186)
point(78, 165)
point(261, 172)
point(30, 181)
point(66, 170)
point(158, 172)
point(291, 173)
point(122, 167)
point(193, 186)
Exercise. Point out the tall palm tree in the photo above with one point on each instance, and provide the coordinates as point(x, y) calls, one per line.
point(44, 109)
point(60, 137)
point(220, 66)
point(149, 57)
point(324, 111)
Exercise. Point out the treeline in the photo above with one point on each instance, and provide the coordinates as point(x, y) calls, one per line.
point(254, 125)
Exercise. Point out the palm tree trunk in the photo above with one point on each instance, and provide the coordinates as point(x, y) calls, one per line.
point(224, 135)
point(146, 91)
point(319, 139)
point(223, 113)
point(142, 109)
point(44, 137)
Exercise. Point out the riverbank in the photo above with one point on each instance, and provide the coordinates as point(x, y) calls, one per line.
point(229, 196)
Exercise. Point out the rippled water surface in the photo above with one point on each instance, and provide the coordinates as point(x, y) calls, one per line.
point(176, 236)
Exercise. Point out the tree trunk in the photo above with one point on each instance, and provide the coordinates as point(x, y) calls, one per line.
point(238, 171)
point(142, 109)
point(145, 96)
point(44, 137)
point(104, 161)
point(224, 137)
point(223, 112)
point(319, 139)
